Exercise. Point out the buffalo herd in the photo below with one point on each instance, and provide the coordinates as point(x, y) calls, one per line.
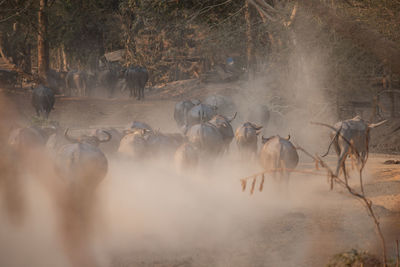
point(106, 80)
point(204, 133)
point(81, 83)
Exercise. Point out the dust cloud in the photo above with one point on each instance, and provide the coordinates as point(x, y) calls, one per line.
point(148, 213)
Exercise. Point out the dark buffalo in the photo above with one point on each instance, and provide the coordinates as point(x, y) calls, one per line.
point(206, 138)
point(163, 144)
point(182, 109)
point(8, 78)
point(81, 162)
point(141, 143)
point(277, 155)
point(246, 138)
point(200, 113)
point(110, 147)
point(43, 100)
point(76, 83)
point(56, 141)
point(82, 166)
point(186, 157)
point(223, 104)
point(224, 126)
point(108, 79)
point(136, 79)
point(351, 138)
point(56, 80)
point(137, 125)
point(134, 144)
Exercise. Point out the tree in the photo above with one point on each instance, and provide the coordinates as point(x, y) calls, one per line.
point(43, 44)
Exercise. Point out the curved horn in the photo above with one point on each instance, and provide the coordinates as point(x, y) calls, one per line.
point(337, 132)
point(288, 138)
point(324, 124)
point(109, 136)
point(257, 127)
point(373, 125)
point(233, 117)
point(69, 138)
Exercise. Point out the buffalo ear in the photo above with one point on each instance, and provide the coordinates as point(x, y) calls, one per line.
point(264, 140)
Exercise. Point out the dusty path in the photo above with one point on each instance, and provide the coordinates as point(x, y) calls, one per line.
point(156, 217)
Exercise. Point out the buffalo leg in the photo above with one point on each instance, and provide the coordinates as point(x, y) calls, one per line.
point(285, 176)
point(344, 170)
point(341, 160)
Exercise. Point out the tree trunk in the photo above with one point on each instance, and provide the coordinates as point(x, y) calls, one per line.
point(387, 85)
point(249, 36)
point(367, 39)
point(64, 59)
point(43, 46)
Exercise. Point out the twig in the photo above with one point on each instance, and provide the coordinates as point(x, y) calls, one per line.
point(367, 202)
point(397, 253)
point(280, 170)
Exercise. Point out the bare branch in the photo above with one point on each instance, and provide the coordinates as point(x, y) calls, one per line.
point(292, 16)
point(260, 10)
point(17, 13)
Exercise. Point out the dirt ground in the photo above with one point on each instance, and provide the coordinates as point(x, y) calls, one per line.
point(210, 222)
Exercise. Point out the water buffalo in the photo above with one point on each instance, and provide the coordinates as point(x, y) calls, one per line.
point(82, 166)
point(163, 144)
point(350, 138)
point(108, 79)
point(112, 146)
point(76, 81)
point(56, 141)
point(43, 100)
point(223, 125)
point(181, 111)
point(246, 138)
point(136, 79)
point(142, 142)
point(186, 157)
point(56, 80)
point(206, 138)
point(8, 78)
point(134, 144)
point(136, 125)
point(278, 154)
point(200, 113)
point(81, 162)
point(223, 104)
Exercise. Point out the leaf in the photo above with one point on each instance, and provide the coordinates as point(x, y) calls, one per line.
point(253, 185)
point(262, 183)
point(244, 182)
